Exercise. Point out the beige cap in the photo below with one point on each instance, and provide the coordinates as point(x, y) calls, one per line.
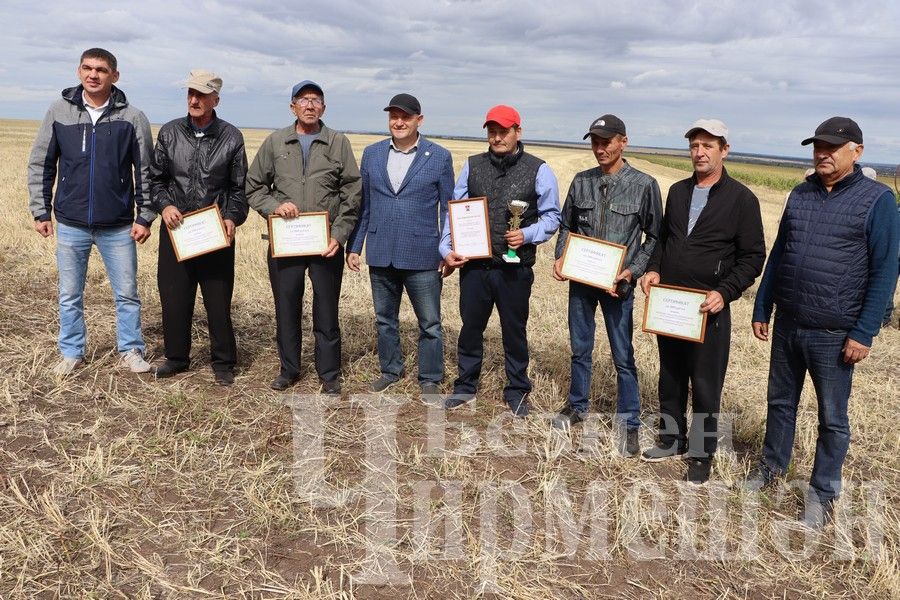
point(205, 82)
point(711, 126)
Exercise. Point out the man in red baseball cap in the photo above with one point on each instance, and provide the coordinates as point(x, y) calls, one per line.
point(503, 174)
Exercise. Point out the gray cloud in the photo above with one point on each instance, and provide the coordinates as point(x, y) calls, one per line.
point(772, 71)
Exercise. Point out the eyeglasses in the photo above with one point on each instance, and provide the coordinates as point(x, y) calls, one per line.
point(304, 102)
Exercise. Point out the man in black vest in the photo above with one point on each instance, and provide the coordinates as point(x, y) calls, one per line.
point(831, 271)
point(503, 174)
point(711, 239)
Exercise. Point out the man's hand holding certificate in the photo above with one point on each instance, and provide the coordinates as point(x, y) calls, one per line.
point(199, 232)
point(675, 312)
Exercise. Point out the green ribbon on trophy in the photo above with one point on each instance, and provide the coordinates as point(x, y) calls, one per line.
point(516, 210)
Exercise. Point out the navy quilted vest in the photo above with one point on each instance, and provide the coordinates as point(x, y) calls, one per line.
point(825, 269)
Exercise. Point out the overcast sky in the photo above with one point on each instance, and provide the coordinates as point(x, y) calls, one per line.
point(771, 70)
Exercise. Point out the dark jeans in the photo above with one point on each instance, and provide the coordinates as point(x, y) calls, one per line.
point(796, 350)
point(178, 281)
point(288, 279)
point(480, 289)
point(424, 291)
point(702, 366)
point(617, 316)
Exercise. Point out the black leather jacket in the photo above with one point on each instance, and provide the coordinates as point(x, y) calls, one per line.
point(191, 172)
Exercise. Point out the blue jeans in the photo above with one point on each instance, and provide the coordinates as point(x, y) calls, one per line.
point(796, 350)
point(117, 249)
point(424, 291)
point(617, 315)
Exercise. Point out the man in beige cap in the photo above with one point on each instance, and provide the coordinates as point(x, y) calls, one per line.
point(711, 239)
point(199, 160)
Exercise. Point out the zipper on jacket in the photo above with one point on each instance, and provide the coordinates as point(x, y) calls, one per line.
point(91, 181)
point(604, 207)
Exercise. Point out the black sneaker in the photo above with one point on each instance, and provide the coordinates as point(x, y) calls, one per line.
point(332, 388)
point(382, 383)
point(817, 513)
point(661, 452)
point(698, 471)
point(457, 399)
point(629, 444)
point(283, 382)
point(758, 478)
point(429, 388)
point(225, 377)
point(519, 407)
point(567, 418)
point(169, 368)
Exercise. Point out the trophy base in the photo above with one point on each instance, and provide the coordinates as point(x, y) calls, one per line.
point(511, 259)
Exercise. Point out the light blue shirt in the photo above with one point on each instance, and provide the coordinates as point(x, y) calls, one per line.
point(398, 163)
point(547, 189)
point(699, 198)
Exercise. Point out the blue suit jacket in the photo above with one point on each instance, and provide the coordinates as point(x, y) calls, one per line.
point(402, 229)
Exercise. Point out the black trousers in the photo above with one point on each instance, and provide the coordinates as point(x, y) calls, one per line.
point(288, 279)
point(703, 367)
point(214, 273)
point(509, 287)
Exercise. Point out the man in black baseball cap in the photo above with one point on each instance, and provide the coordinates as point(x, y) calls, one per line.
point(407, 181)
point(616, 203)
point(830, 273)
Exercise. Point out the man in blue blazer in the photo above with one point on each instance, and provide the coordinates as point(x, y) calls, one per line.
point(406, 183)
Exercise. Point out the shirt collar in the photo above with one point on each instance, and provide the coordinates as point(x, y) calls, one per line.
point(414, 148)
point(88, 105)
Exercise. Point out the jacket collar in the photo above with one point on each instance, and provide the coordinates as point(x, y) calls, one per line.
point(715, 187)
point(211, 130)
point(117, 97)
point(289, 133)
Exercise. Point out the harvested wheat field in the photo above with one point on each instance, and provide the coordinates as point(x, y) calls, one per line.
point(114, 485)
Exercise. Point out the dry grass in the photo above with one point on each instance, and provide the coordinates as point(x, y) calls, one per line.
point(114, 485)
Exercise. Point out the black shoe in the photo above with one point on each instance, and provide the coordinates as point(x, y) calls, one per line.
point(661, 452)
point(455, 400)
point(283, 382)
point(225, 377)
point(629, 444)
point(817, 513)
point(519, 407)
point(169, 368)
point(567, 418)
point(332, 388)
point(760, 477)
point(698, 471)
point(429, 388)
point(380, 384)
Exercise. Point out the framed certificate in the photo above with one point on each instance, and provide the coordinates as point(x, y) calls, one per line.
point(470, 233)
point(675, 311)
point(307, 234)
point(592, 261)
point(200, 232)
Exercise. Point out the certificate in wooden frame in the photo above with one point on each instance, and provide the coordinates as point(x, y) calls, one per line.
point(273, 228)
point(180, 254)
point(670, 333)
point(621, 252)
point(464, 204)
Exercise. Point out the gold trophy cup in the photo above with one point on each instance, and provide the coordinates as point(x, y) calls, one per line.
point(516, 210)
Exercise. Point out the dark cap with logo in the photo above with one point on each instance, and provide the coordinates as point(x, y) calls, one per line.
point(836, 130)
point(606, 126)
point(405, 102)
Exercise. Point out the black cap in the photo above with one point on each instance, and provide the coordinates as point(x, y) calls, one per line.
point(836, 130)
point(606, 127)
point(405, 102)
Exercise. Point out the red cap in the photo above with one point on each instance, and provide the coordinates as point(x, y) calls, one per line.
point(504, 116)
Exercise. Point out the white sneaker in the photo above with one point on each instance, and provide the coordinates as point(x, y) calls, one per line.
point(66, 365)
point(134, 360)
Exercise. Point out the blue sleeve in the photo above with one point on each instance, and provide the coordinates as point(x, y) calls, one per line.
point(460, 191)
point(547, 189)
point(359, 233)
point(445, 189)
point(883, 233)
point(765, 295)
